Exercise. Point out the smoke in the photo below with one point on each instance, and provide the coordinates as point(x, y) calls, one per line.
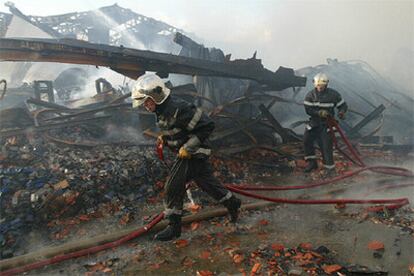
point(130, 40)
point(285, 33)
point(128, 134)
point(305, 33)
point(371, 185)
point(117, 80)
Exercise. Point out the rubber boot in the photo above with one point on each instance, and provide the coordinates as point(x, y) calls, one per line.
point(233, 205)
point(329, 173)
point(172, 231)
point(312, 165)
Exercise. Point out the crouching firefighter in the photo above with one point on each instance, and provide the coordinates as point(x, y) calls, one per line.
point(320, 104)
point(185, 129)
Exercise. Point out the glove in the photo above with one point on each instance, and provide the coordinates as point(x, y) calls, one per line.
point(161, 140)
point(341, 115)
point(183, 153)
point(323, 113)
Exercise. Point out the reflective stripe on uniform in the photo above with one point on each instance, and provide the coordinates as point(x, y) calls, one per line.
point(170, 131)
point(172, 143)
point(196, 118)
point(310, 157)
point(310, 103)
point(226, 197)
point(173, 119)
point(341, 102)
point(203, 151)
point(329, 166)
point(326, 104)
point(318, 104)
point(162, 123)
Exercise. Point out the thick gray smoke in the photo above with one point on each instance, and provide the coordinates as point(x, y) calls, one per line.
point(304, 33)
point(289, 33)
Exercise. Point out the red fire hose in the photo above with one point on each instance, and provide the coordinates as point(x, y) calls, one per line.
point(333, 125)
point(314, 183)
point(242, 189)
point(396, 203)
point(87, 251)
point(160, 151)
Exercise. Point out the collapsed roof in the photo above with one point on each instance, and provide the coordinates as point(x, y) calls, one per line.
point(360, 85)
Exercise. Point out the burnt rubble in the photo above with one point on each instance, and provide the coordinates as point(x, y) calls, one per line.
point(43, 182)
point(65, 160)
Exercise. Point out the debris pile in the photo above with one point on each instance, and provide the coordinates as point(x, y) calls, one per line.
point(49, 182)
point(403, 219)
point(64, 163)
point(277, 259)
point(45, 183)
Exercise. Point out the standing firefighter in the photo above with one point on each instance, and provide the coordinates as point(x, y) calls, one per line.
point(319, 105)
point(185, 129)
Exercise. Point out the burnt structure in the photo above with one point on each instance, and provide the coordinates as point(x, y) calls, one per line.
point(133, 63)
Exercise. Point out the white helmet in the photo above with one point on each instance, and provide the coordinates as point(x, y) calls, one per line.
point(149, 86)
point(320, 79)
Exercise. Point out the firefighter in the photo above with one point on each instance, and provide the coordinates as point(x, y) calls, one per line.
point(185, 129)
point(320, 104)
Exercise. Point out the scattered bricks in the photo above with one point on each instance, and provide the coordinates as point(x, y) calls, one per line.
point(306, 246)
point(376, 245)
point(66, 181)
point(256, 268)
point(331, 268)
point(277, 247)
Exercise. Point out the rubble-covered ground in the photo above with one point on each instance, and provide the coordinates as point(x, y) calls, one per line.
point(42, 182)
point(52, 194)
point(61, 187)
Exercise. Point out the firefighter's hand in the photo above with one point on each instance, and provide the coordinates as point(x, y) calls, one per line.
point(323, 113)
point(183, 153)
point(160, 140)
point(341, 115)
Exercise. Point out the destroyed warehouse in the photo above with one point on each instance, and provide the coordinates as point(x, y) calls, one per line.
point(78, 163)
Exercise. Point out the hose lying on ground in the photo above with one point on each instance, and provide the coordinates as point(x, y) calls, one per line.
point(390, 204)
point(92, 245)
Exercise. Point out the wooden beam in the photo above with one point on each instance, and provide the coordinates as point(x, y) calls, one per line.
point(287, 134)
point(371, 116)
point(98, 240)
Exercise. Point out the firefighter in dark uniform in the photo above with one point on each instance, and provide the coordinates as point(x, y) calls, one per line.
point(320, 103)
point(184, 128)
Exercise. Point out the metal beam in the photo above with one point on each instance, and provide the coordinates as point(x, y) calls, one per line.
point(371, 116)
point(134, 63)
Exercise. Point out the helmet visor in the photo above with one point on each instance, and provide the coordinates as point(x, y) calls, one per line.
point(138, 99)
point(138, 102)
point(320, 82)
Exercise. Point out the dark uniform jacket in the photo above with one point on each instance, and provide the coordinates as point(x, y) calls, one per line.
point(328, 100)
point(184, 125)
